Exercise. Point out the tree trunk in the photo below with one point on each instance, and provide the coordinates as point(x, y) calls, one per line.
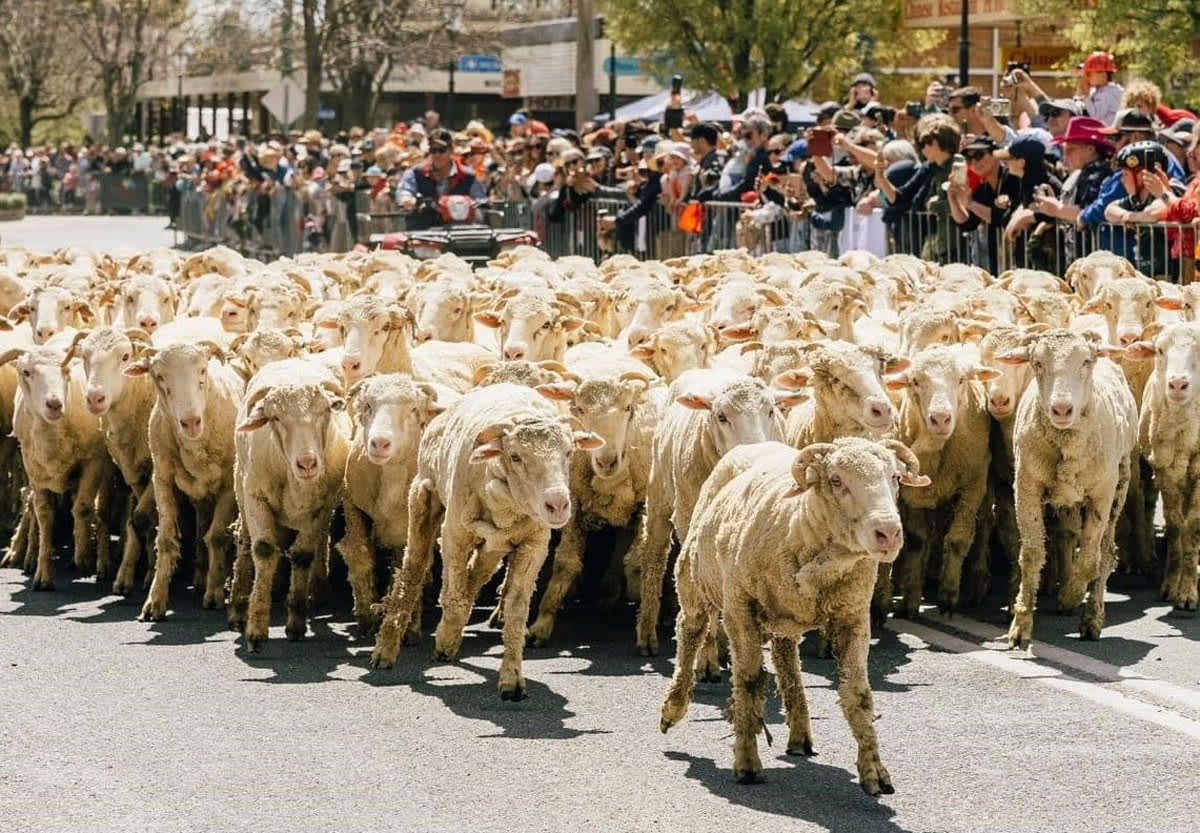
point(586, 100)
point(312, 61)
point(357, 94)
point(25, 108)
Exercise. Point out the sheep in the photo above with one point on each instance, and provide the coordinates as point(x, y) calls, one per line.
point(648, 305)
point(288, 483)
point(50, 310)
point(123, 405)
point(780, 323)
point(204, 296)
point(1026, 282)
point(191, 450)
point(532, 323)
point(265, 301)
point(606, 395)
point(62, 451)
point(492, 474)
point(442, 310)
point(1087, 275)
point(376, 338)
point(783, 542)
point(1075, 431)
point(143, 301)
point(1169, 437)
point(261, 347)
point(520, 372)
point(677, 347)
point(711, 411)
point(389, 412)
point(450, 364)
point(848, 395)
point(944, 420)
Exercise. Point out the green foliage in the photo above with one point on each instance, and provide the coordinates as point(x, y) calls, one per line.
point(12, 202)
point(1150, 38)
point(784, 46)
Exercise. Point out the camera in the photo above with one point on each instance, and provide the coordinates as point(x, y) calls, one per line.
point(1014, 65)
point(676, 83)
point(913, 109)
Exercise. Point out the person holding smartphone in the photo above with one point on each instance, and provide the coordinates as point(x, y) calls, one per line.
point(756, 132)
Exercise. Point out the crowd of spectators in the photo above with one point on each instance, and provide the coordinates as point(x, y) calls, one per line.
point(1023, 180)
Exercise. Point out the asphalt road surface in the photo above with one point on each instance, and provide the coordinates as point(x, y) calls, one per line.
point(110, 724)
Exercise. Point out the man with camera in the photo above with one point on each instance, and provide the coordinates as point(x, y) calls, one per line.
point(974, 115)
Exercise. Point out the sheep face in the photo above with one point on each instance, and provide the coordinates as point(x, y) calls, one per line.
point(180, 375)
point(442, 312)
point(528, 461)
point(205, 296)
point(1128, 306)
point(44, 375)
point(532, 326)
point(736, 302)
point(365, 327)
point(1090, 274)
point(391, 412)
point(937, 382)
point(741, 413)
point(50, 309)
point(850, 382)
point(106, 353)
point(147, 302)
point(1004, 391)
point(262, 347)
point(676, 348)
point(860, 481)
point(278, 308)
point(922, 327)
point(299, 417)
point(605, 408)
point(1176, 354)
point(1062, 363)
point(648, 307)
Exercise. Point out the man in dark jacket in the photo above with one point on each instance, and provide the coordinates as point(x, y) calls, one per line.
point(756, 132)
point(439, 175)
point(710, 160)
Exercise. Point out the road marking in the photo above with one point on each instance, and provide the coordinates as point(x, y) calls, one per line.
point(1182, 696)
point(1044, 674)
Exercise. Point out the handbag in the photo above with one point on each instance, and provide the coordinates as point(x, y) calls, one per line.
point(691, 218)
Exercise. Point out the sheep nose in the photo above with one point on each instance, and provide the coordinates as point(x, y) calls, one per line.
point(557, 506)
point(940, 420)
point(889, 535)
point(45, 333)
point(422, 336)
point(190, 425)
point(1000, 401)
point(880, 412)
point(351, 366)
point(514, 352)
point(381, 445)
point(148, 323)
point(97, 399)
point(1062, 410)
point(1129, 337)
point(306, 464)
point(54, 405)
point(1178, 384)
point(638, 336)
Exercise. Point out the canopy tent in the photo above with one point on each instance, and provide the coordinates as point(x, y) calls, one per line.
point(708, 106)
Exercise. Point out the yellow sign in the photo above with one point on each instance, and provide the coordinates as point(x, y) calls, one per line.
point(947, 13)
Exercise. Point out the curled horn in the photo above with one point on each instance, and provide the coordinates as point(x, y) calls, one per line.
point(904, 454)
point(804, 459)
point(300, 281)
point(137, 335)
point(553, 366)
point(255, 397)
point(79, 336)
point(215, 350)
point(635, 376)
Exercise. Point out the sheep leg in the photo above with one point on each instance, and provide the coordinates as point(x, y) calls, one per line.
point(264, 549)
point(691, 623)
point(749, 680)
point(200, 558)
point(131, 549)
point(103, 507)
point(977, 575)
point(424, 517)
point(568, 563)
point(243, 579)
point(318, 575)
point(1086, 566)
point(302, 554)
point(708, 661)
point(631, 564)
point(1183, 595)
point(786, 656)
point(1172, 499)
point(523, 566)
point(881, 598)
point(456, 599)
point(217, 539)
point(144, 517)
point(653, 546)
point(1149, 562)
point(1031, 524)
point(166, 544)
point(32, 540)
point(43, 509)
point(358, 553)
point(851, 640)
point(1105, 559)
point(958, 539)
point(83, 513)
point(612, 584)
point(15, 556)
point(1009, 537)
point(911, 564)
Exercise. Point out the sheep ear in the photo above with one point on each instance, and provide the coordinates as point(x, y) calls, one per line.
point(140, 367)
point(899, 382)
point(1093, 304)
point(1140, 350)
point(558, 392)
point(738, 332)
point(789, 399)
point(1014, 357)
point(18, 313)
point(488, 319)
point(486, 451)
point(695, 401)
point(587, 441)
point(570, 323)
point(985, 374)
point(793, 379)
point(911, 475)
point(5, 324)
point(642, 351)
point(327, 323)
point(1164, 302)
point(254, 420)
point(895, 364)
point(487, 442)
point(1110, 351)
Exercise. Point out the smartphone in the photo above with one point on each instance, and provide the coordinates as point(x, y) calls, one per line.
point(676, 83)
point(913, 109)
point(672, 118)
point(958, 172)
point(820, 141)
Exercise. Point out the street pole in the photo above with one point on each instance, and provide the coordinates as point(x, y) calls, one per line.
point(964, 47)
point(612, 81)
point(448, 118)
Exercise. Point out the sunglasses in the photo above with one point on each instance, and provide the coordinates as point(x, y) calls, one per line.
point(956, 108)
point(439, 150)
point(1054, 114)
point(774, 151)
point(976, 155)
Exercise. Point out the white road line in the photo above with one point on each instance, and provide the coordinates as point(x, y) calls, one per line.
point(1184, 697)
point(1047, 675)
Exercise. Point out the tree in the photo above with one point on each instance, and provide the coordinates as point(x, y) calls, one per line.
point(122, 37)
point(782, 46)
point(1151, 38)
point(47, 81)
point(228, 40)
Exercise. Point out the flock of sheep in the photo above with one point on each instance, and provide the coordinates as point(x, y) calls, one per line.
point(825, 440)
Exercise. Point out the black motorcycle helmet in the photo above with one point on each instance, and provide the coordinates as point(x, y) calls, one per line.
point(1142, 156)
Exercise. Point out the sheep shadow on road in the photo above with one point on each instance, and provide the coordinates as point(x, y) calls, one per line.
point(824, 795)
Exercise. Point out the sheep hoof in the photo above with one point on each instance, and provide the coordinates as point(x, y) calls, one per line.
point(514, 692)
point(947, 609)
point(1188, 605)
point(496, 620)
point(255, 644)
point(295, 634)
point(750, 776)
point(708, 675)
point(803, 747)
point(440, 655)
point(122, 586)
point(153, 611)
point(1089, 631)
point(411, 638)
point(381, 663)
point(213, 601)
point(43, 584)
point(236, 623)
point(649, 648)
